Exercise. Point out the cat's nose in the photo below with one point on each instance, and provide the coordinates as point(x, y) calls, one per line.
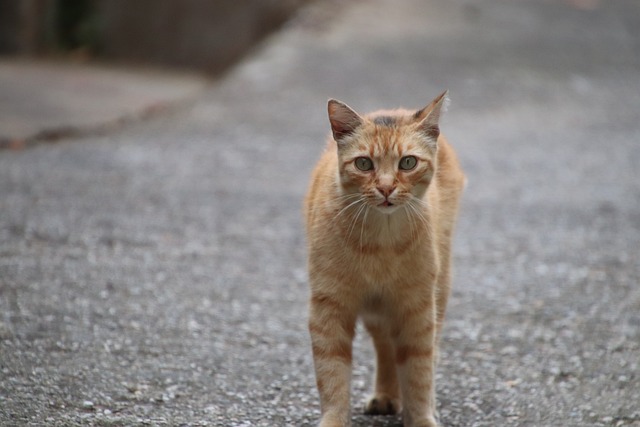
point(386, 190)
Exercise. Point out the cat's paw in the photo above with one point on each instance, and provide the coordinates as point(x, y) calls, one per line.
point(381, 404)
point(427, 422)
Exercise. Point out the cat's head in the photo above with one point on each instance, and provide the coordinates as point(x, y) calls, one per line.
point(389, 158)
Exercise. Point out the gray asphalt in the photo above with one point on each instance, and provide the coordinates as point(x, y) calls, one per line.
point(155, 274)
point(44, 100)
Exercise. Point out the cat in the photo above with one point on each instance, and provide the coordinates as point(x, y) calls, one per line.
point(380, 214)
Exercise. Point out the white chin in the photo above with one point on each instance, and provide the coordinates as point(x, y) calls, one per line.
point(387, 210)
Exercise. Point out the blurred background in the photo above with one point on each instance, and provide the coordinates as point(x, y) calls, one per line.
point(208, 35)
point(153, 160)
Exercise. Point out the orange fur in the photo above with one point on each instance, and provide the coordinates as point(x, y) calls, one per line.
point(379, 239)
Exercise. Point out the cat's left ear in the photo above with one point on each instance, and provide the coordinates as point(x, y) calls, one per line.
point(344, 121)
point(429, 116)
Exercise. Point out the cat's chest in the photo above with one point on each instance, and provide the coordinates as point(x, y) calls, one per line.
point(386, 242)
point(392, 265)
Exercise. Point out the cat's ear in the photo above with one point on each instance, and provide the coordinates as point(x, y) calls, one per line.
point(429, 116)
point(344, 121)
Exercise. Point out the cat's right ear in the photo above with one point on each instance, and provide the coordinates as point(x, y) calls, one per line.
point(429, 116)
point(344, 121)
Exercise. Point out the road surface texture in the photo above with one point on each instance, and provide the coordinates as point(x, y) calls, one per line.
point(155, 274)
point(48, 101)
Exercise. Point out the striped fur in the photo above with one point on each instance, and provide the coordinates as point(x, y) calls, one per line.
point(380, 250)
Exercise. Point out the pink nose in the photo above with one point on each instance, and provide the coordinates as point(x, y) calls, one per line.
point(386, 190)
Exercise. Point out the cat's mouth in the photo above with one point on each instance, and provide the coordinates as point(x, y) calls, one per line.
point(387, 207)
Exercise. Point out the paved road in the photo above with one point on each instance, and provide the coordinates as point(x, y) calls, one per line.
point(49, 100)
point(155, 275)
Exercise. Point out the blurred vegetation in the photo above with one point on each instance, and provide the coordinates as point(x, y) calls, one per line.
point(77, 26)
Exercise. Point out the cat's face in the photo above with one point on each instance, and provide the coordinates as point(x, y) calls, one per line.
point(388, 160)
point(390, 167)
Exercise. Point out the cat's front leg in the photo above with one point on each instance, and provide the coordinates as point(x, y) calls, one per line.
point(415, 358)
point(332, 326)
point(386, 400)
point(416, 378)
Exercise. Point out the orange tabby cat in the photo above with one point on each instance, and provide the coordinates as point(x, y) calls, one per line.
point(380, 214)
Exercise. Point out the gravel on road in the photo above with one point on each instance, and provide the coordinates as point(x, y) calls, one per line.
point(155, 275)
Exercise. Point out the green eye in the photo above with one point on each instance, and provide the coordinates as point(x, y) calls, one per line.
point(408, 162)
point(364, 163)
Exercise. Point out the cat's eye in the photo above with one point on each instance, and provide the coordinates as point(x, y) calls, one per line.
point(364, 163)
point(408, 162)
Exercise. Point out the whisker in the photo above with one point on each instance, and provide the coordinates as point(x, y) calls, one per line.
point(355, 220)
point(364, 220)
point(342, 197)
point(359, 200)
point(419, 201)
point(419, 215)
point(423, 203)
point(413, 227)
point(362, 226)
